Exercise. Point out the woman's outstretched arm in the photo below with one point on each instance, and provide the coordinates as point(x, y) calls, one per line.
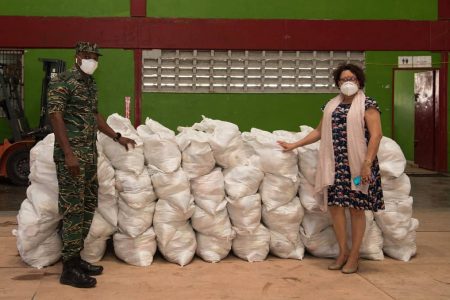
point(312, 137)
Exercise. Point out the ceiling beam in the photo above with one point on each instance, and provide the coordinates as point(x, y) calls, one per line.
point(148, 33)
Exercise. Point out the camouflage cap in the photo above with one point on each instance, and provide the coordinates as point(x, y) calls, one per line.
point(87, 47)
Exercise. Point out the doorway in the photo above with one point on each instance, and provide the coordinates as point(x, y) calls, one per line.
point(415, 108)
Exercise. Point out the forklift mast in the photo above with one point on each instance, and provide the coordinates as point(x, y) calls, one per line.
point(51, 67)
point(11, 102)
point(15, 151)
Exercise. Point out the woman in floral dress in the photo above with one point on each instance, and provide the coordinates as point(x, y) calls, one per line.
point(348, 172)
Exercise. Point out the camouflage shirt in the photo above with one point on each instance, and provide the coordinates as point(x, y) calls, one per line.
point(74, 94)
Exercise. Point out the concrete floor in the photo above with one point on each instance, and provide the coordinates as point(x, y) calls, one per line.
point(427, 276)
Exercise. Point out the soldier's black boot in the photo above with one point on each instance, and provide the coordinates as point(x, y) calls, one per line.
point(74, 276)
point(90, 269)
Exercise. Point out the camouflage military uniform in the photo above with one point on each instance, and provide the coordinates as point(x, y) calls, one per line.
point(74, 94)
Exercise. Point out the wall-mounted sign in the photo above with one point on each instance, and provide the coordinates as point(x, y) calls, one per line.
point(414, 62)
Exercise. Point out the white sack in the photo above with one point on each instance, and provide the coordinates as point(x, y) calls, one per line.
point(399, 187)
point(402, 249)
point(310, 201)
point(395, 220)
point(197, 155)
point(212, 249)
point(284, 224)
point(321, 244)
point(131, 160)
point(372, 244)
point(245, 212)
point(225, 139)
point(284, 247)
point(45, 200)
point(43, 150)
point(272, 157)
point(94, 249)
point(105, 174)
point(135, 190)
point(209, 190)
point(391, 158)
point(135, 221)
point(33, 231)
point(173, 187)
point(277, 190)
point(241, 181)
point(285, 219)
point(308, 157)
point(222, 132)
point(45, 254)
point(138, 251)
point(180, 249)
point(166, 213)
point(252, 246)
point(42, 166)
point(159, 129)
point(315, 222)
point(108, 207)
point(133, 183)
point(100, 228)
point(287, 136)
point(217, 225)
point(160, 148)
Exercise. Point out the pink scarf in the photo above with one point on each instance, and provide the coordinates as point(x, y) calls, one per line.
point(356, 145)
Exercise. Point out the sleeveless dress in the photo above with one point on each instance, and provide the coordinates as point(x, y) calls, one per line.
point(340, 193)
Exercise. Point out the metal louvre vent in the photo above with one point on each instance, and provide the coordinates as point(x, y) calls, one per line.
point(212, 71)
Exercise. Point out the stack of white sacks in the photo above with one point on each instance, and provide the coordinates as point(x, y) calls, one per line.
point(190, 174)
point(135, 241)
point(242, 181)
point(38, 240)
point(210, 219)
point(175, 236)
point(399, 229)
point(282, 212)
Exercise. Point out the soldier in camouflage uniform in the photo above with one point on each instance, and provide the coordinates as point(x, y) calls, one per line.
point(72, 107)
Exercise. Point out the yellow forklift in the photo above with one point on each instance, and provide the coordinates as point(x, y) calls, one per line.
point(15, 151)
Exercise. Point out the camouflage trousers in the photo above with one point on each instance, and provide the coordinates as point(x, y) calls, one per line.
point(78, 198)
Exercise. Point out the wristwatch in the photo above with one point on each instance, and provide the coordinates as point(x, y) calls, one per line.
point(117, 137)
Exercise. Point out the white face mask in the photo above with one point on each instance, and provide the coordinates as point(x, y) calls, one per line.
point(349, 88)
point(88, 66)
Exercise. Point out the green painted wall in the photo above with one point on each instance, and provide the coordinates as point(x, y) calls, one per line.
point(295, 9)
point(404, 110)
point(60, 8)
point(115, 79)
point(264, 111)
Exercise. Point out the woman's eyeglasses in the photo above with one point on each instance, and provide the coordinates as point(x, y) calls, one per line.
point(345, 79)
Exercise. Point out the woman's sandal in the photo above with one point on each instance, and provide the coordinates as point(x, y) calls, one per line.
point(350, 270)
point(336, 266)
